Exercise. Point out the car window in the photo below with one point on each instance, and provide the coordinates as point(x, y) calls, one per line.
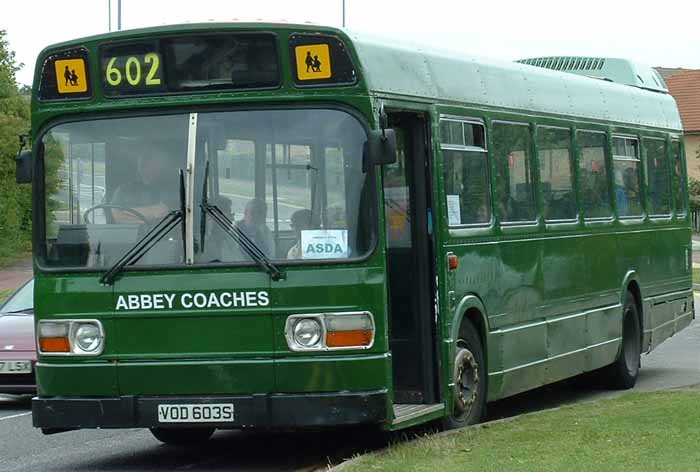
point(21, 300)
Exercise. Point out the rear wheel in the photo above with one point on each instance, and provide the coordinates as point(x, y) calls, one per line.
point(623, 373)
point(182, 436)
point(469, 378)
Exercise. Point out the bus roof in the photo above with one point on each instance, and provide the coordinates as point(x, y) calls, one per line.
point(392, 68)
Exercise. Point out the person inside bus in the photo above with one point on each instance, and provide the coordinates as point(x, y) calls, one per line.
point(153, 194)
point(301, 220)
point(621, 194)
point(254, 225)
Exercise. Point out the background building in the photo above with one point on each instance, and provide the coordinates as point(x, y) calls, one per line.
point(684, 85)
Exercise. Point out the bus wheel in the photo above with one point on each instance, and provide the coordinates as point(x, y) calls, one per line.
point(469, 377)
point(182, 436)
point(623, 373)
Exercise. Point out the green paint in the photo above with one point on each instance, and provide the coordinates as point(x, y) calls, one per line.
point(548, 295)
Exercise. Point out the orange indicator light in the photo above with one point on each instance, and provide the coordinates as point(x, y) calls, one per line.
point(358, 337)
point(54, 344)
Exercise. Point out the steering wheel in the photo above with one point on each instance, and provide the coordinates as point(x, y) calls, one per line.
point(108, 206)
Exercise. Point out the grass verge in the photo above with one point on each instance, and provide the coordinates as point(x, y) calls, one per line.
point(640, 431)
point(696, 275)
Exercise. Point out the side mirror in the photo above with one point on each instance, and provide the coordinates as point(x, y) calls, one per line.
point(380, 149)
point(23, 165)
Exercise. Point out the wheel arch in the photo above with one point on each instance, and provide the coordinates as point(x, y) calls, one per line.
point(631, 284)
point(471, 308)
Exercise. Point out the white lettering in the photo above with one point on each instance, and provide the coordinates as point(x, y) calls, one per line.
point(133, 302)
point(158, 301)
point(146, 302)
point(250, 299)
point(213, 301)
point(238, 298)
point(121, 303)
point(170, 298)
point(200, 300)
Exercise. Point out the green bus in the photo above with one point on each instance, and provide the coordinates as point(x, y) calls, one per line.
point(291, 226)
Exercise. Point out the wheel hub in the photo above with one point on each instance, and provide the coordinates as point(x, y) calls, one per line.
point(466, 381)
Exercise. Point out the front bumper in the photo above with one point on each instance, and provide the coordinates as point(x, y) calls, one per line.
point(264, 411)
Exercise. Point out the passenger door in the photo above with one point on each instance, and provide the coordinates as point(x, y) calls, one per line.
point(410, 269)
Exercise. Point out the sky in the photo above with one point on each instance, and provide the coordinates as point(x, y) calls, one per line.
point(654, 33)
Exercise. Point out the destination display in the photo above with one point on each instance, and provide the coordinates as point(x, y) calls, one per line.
point(190, 63)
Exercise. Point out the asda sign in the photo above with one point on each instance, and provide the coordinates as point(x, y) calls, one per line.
point(192, 300)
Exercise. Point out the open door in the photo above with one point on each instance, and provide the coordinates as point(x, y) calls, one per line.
point(410, 265)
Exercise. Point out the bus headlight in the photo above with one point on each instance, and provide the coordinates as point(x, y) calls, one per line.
point(330, 331)
point(87, 338)
point(307, 332)
point(70, 338)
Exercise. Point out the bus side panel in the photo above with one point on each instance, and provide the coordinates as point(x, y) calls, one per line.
point(601, 272)
point(566, 290)
point(564, 274)
point(566, 347)
point(671, 274)
point(604, 335)
point(513, 311)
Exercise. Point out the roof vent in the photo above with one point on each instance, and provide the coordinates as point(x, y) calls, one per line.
point(620, 71)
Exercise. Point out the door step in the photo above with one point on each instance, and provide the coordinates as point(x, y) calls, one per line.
point(407, 414)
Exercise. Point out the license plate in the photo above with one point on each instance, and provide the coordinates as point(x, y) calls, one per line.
point(196, 413)
point(15, 367)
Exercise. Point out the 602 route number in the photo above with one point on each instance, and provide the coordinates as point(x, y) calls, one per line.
point(133, 71)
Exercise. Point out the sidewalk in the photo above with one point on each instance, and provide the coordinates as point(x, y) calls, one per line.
point(14, 275)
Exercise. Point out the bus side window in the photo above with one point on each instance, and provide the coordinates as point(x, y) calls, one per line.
point(512, 144)
point(593, 175)
point(658, 178)
point(678, 175)
point(466, 172)
point(628, 196)
point(556, 173)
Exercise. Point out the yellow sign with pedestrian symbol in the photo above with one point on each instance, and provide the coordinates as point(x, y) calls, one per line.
point(70, 76)
point(313, 62)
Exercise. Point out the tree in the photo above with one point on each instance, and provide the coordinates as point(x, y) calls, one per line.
point(15, 200)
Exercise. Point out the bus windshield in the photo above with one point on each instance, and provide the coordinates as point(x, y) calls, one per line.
point(290, 179)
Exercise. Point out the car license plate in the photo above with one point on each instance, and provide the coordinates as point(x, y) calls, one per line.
point(15, 367)
point(196, 413)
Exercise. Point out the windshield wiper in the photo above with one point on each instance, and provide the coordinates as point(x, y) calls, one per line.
point(150, 239)
point(235, 233)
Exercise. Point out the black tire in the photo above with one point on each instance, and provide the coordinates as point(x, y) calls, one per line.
point(182, 436)
point(622, 374)
point(469, 377)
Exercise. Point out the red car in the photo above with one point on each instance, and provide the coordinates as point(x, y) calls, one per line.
point(17, 345)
